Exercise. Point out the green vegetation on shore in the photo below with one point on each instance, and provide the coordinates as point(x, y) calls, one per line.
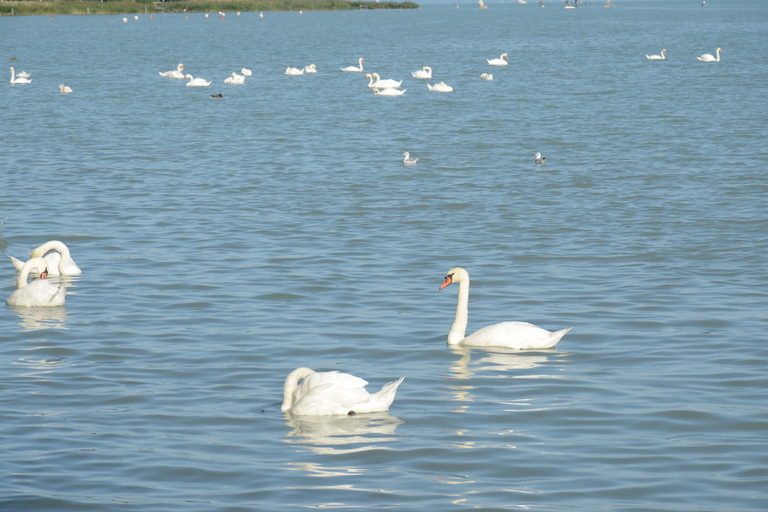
point(27, 8)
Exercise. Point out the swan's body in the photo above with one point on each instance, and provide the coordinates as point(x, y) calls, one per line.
point(39, 292)
point(331, 393)
point(196, 82)
point(310, 69)
point(425, 72)
point(408, 160)
point(487, 77)
point(663, 56)
point(441, 87)
point(23, 74)
point(516, 335)
point(378, 83)
point(294, 71)
point(389, 92)
point(176, 73)
point(246, 72)
point(353, 68)
point(235, 79)
point(64, 89)
point(707, 57)
point(22, 80)
point(498, 62)
point(57, 257)
point(538, 159)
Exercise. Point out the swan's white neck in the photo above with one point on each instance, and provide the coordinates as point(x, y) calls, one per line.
point(291, 383)
point(66, 257)
point(459, 327)
point(37, 263)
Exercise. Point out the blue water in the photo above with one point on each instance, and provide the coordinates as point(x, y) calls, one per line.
point(225, 242)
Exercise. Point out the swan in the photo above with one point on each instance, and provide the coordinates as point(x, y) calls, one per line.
point(23, 74)
point(235, 79)
point(246, 72)
point(498, 62)
point(294, 71)
point(377, 82)
point(425, 72)
point(538, 159)
point(389, 92)
point(22, 80)
point(353, 68)
point(65, 89)
point(663, 56)
point(57, 256)
point(331, 393)
point(310, 69)
point(516, 335)
point(441, 87)
point(408, 160)
point(487, 77)
point(707, 57)
point(176, 73)
point(196, 82)
point(39, 292)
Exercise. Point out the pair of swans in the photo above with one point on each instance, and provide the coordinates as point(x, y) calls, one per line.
point(353, 68)
point(20, 79)
point(500, 61)
point(38, 293)
point(333, 393)
point(425, 72)
point(57, 256)
point(408, 160)
point(707, 57)
point(377, 82)
point(441, 87)
point(235, 79)
point(538, 159)
point(663, 56)
point(176, 73)
point(196, 82)
point(486, 77)
point(65, 89)
point(388, 92)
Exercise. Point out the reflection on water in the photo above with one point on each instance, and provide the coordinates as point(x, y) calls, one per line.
point(498, 359)
point(322, 434)
point(33, 319)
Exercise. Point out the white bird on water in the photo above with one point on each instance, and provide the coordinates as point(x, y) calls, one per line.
point(294, 71)
point(246, 72)
point(22, 80)
point(425, 72)
point(176, 73)
point(538, 159)
point(408, 160)
point(57, 256)
point(707, 57)
point(389, 92)
point(310, 69)
point(376, 81)
point(486, 77)
point(196, 82)
point(38, 293)
point(441, 87)
point(353, 68)
point(498, 62)
point(64, 89)
point(235, 79)
point(663, 56)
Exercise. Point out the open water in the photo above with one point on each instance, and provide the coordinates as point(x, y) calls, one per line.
point(225, 242)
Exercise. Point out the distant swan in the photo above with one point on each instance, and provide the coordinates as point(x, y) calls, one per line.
point(23, 74)
point(487, 77)
point(707, 57)
point(22, 80)
point(498, 62)
point(516, 335)
point(246, 72)
point(441, 87)
point(39, 292)
point(56, 255)
point(663, 56)
point(425, 72)
point(294, 71)
point(64, 89)
point(310, 69)
point(389, 92)
point(353, 68)
point(538, 159)
point(333, 393)
point(196, 82)
point(176, 73)
point(408, 160)
point(377, 82)
point(235, 79)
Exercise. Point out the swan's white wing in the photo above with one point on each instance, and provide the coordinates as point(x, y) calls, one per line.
point(517, 335)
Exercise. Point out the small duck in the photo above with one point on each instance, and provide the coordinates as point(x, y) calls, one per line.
point(538, 159)
point(216, 95)
point(408, 160)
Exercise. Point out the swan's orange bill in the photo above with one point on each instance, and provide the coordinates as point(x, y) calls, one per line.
point(446, 283)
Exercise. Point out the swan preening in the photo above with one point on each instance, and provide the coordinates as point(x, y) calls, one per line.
point(333, 393)
point(235, 79)
point(441, 87)
point(663, 56)
point(22, 80)
point(516, 335)
point(498, 62)
point(57, 256)
point(246, 72)
point(294, 71)
point(176, 73)
point(64, 89)
point(23, 74)
point(425, 72)
point(538, 159)
point(389, 92)
point(310, 69)
point(707, 57)
point(377, 82)
point(408, 160)
point(487, 77)
point(353, 68)
point(38, 293)
point(196, 82)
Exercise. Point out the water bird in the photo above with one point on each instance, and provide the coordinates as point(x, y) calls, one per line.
point(708, 57)
point(441, 87)
point(294, 71)
point(389, 92)
point(310, 69)
point(196, 82)
point(487, 77)
point(235, 79)
point(377, 82)
point(57, 256)
point(353, 68)
point(538, 159)
point(663, 56)
point(246, 72)
point(498, 62)
point(425, 72)
point(64, 89)
point(216, 95)
point(38, 293)
point(176, 73)
point(22, 80)
point(23, 74)
point(333, 393)
point(408, 160)
point(516, 335)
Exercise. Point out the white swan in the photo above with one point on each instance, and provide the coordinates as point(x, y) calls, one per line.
point(498, 62)
point(516, 335)
point(246, 72)
point(331, 393)
point(196, 82)
point(235, 79)
point(538, 159)
point(377, 82)
point(39, 292)
point(707, 57)
point(408, 160)
point(389, 92)
point(425, 72)
point(22, 80)
point(353, 68)
point(487, 77)
point(176, 73)
point(310, 69)
point(57, 256)
point(294, 71)
point(441, 87)
point(23, 74)
point(65, 89)
point(663, 56)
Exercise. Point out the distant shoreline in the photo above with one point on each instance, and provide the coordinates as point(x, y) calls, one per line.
point(33, 8)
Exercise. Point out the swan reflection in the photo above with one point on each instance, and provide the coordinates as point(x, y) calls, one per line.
point(34, 319)
point(326, 434)
point(499, 359)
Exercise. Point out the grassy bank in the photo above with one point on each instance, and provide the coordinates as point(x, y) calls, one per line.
point(137, 7)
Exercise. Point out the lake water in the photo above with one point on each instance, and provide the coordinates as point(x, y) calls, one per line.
point(226, 242)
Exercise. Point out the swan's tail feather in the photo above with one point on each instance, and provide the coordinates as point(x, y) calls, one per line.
point(59, 297)
point(556, 336)
point(384, 398)
point(17, 263)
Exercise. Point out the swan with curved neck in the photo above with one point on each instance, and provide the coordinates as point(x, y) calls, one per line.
point(333, 393)
point(353, 68)
point(663, 56)
point(707, 57)
point(22, 80)
point(57, 256)
point(516, 335)
point(176, 73)
point(196, 82)
point(377, 82)
point(312, 68)
point(235, 79)
point(425, 72)
point(498, 62)
point(38, 293)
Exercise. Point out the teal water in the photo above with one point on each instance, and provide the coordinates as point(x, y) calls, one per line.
point(225, 242)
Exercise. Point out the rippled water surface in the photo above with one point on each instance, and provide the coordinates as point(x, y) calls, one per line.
point(225, 242)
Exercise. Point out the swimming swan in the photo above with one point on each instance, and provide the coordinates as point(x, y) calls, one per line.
point(408, 160)
point(57, 256)
point(23, 74)
point(39, 292)
point(294, 71)
point(516, 335)
point(353, 68)
point(196, 82)
point(663, 56)
point(377, 82)
point(176, 73)
point(310, 69)
point(498, 62)
point(22, 80)
point(707, 57)
point(441, 87)
point(425, 72)
point(389, 92)
point(331, 393)
point(486, 77)
point(235, 79)
point(65, 89)
point(246, 72)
